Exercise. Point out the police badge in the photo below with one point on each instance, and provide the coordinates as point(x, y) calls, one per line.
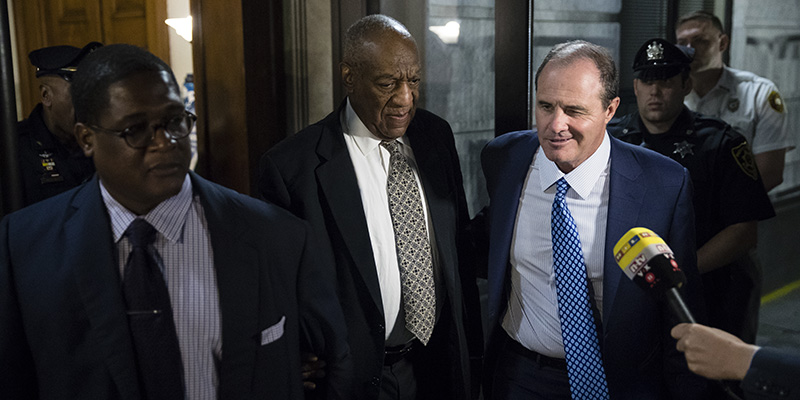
point(655, 51)
point(733, 105)
point(683, 148)
point(744, 157)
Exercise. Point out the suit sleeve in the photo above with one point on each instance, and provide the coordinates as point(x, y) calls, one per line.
point(271, 185)
point(682, 383)
point(324, 332)
point(17, 374)
point(772, 375)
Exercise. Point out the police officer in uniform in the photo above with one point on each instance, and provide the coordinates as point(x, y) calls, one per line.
point(729, 197)
point(50, 161)
point(750, 103)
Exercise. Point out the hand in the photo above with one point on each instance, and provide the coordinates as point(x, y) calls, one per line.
point(713, 353)
point(313, 369)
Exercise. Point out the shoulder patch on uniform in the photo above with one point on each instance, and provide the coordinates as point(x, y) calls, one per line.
point(744, 157)
point(775, 101)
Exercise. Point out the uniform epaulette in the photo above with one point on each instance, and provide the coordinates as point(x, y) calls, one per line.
point(703, 121)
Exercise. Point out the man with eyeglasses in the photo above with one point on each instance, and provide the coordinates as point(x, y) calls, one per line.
point(50, 161)
point(149, 282)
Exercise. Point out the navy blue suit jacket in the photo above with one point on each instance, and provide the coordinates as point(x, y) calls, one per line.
point(773, 375)
point(645, 190)
point(63, 327)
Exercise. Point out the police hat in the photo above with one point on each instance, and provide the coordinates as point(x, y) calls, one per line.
point(60, 60)
point(659, 59)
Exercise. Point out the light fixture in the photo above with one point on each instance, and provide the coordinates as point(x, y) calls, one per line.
point(447, 33)
point(182, 26)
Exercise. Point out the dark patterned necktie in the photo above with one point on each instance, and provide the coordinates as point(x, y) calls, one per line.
point(158, 355)
point(587, 378)
point(413, 246)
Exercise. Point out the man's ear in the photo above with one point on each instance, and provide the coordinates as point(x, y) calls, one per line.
point(46, 94)
point(85, 138)
point(348, 76)
point(724, 42)
point(611, 109)
point(687, 86)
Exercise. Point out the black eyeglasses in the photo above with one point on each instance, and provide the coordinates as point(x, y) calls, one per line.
point(139, 136)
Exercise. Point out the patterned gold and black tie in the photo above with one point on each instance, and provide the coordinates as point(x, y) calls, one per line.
point(413, 245)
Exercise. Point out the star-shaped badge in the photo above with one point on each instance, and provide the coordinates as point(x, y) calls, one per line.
point(683, 148)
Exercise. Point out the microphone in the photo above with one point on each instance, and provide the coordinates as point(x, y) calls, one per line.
point(647, 260)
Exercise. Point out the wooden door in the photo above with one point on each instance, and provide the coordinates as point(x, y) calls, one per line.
point(43, 23)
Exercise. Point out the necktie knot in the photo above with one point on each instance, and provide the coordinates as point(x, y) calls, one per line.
point(140, 233)
point(391, 146)
point(561, 189)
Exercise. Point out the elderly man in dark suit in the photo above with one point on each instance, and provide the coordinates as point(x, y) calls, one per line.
point(379, 181)
point(149, 282)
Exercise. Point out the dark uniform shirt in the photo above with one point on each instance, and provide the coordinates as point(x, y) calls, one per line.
point(47, 167)
point(727, 187)
point(727, 190)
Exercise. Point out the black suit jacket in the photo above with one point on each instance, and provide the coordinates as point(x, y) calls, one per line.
point(64, 330)
point(311, 174)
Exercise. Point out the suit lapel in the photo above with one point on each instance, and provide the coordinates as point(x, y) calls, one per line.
point(87, 232)
point(432, 175)
point(503, 214)
point(237, 269)
point(626, 194)
point(337, 180)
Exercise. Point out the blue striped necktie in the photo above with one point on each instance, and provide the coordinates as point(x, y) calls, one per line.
point(587, 379)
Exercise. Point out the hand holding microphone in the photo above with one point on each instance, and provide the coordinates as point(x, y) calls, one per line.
point(647, 260)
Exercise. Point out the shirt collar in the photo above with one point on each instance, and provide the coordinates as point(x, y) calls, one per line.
point(726, 80)
point(168, 217)
point(355, 128)
point(583, 178)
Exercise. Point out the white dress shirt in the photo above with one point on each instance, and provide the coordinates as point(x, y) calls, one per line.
point(745, 101)
point(532, 314)
point(371, 163)
point(187, 261)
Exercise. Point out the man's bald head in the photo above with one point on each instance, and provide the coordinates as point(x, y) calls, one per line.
point(368, 30)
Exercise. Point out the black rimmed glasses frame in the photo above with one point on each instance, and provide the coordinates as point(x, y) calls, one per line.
point(140, 137)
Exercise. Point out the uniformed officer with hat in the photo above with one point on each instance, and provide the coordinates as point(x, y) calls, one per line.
point(729, 197)
point(50, 161)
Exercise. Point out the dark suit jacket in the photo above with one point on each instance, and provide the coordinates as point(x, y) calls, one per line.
point(64, 330)
point(773, 374)
point(646, 190)
point(311, 174)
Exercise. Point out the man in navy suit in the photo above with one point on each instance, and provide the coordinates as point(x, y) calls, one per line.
point(242, 292)
point(335, 173)
point(611, 187)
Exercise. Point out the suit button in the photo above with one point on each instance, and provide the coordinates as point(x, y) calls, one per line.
point(380, 329)
point(375, 381)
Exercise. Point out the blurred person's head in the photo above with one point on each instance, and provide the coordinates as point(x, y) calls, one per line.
point(55, 66)
point(703, 32)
